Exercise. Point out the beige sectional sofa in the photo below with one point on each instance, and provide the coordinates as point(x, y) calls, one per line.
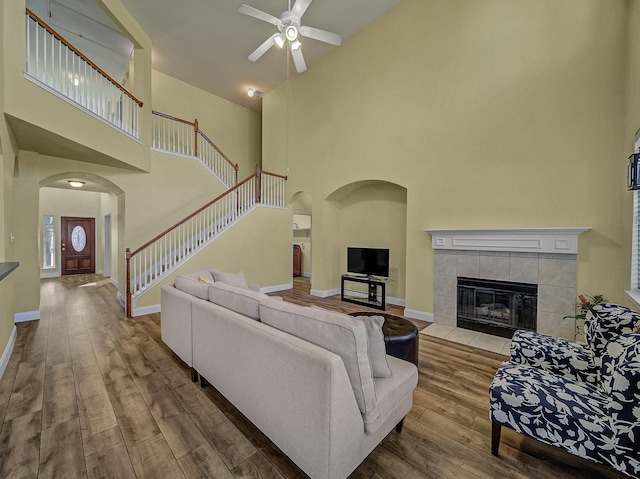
point(301, 375)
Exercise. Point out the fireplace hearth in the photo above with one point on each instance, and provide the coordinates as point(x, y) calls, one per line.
point(496, 307)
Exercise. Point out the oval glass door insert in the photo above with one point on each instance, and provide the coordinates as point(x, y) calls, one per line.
point(78, 238)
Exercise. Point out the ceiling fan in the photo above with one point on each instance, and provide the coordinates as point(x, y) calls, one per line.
point(289, 28)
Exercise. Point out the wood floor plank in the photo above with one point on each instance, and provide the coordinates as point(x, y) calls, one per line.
point(61, 451)
point(256, 467)
point(152, 459)
point(28, 389)
point(107, 457)
point(59, 395)
point(94, 405)
point(20, 443)
point(202, 463)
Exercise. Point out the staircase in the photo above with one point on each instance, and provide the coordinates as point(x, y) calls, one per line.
point(153, 261)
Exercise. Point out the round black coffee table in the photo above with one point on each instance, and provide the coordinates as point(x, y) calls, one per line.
point(400, 336)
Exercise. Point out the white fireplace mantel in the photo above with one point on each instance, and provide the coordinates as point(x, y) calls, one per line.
point(534, 240)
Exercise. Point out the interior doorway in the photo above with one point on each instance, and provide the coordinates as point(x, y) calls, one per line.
point(302, 245)
point(77, 245)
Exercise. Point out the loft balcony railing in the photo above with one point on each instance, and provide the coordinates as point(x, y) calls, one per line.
point(184, 137)
point(58, 66)
point(155, 259)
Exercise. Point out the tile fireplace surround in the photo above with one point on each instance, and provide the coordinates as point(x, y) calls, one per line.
point(543, 256)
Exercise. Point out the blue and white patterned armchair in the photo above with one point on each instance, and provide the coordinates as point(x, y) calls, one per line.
point(600, 422)
point(573, 359)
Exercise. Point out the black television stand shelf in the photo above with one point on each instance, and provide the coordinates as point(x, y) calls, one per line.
point(371, 297)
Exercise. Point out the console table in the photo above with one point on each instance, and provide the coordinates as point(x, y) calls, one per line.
point(371, 297)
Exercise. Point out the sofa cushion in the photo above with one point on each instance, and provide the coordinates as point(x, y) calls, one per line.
point(232, 279)
point(240, 300)
point(193, 284)
point(376, 347)
point(343, 335)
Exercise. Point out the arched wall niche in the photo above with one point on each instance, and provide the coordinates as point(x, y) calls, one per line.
point(368, 213)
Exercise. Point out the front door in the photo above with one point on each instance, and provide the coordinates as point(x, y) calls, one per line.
point(78, 245)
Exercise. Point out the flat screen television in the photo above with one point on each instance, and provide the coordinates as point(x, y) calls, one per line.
point(368, 261)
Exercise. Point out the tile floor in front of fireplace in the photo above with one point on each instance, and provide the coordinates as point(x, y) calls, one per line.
point(474, 339)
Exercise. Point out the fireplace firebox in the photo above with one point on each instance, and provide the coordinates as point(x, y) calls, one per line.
point(496, 307)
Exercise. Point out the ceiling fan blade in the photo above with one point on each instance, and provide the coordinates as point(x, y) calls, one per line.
point(299, 8)
point(298, 59)
point(322, 35)
point(262, 49)
point(259, 14)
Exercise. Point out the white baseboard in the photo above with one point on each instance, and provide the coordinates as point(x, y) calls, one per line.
point(121, 300)
point(49, 275)
point(114, 282)
point(306, 275)
point(154, 308)
point(325, 294)
point(396, 301)
point(421, 315)
point(278, 287)
point(26, 316)
point(6, 355)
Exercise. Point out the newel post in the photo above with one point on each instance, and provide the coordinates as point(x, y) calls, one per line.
point(258, 172)
point(128, 293)
point(195, 139)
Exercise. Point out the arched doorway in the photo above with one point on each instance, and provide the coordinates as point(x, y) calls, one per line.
point(81, 195)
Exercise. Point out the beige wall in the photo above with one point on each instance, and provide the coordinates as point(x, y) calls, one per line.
point(8, 151)
point(236, 130)
point(498, 113)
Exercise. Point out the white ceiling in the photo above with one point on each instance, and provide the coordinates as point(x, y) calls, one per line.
point(206, 43)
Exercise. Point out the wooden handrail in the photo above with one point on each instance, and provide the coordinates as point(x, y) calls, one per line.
point(206, 138)
point(174, 118)
point(79, 53)
point(284, 177)
point(184, 220)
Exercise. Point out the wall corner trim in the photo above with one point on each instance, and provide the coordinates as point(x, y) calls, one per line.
point(6, 355)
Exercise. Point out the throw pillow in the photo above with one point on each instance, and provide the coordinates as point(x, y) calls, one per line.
point(232, 279)
point(202, 279)
point(375, 345)
point(192, 284)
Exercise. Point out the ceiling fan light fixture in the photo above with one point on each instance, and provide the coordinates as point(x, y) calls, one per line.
point(279, 40)
point(295, 45)
point(291, 32)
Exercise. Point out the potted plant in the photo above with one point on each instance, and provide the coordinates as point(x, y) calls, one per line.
point(582, 307)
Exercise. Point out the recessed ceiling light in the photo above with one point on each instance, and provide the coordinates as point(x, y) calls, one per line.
point(76, 183)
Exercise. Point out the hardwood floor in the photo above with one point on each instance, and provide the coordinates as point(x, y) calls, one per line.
point(89, 393)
